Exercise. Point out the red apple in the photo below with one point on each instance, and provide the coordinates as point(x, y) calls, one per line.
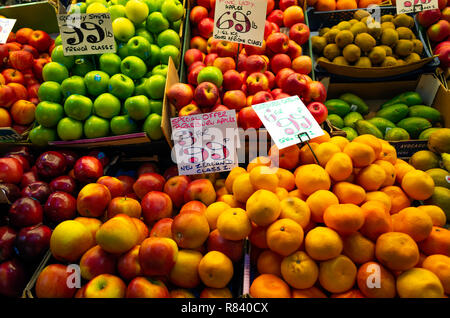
point(52, 282)
point(100, 155)
point(33, 241)
point(255, 63)
point(247, 118)
point(24, 212)
point(284, 4)
point(70, 156)
point(295, 84)
point(197, 42)
point(162, 228)
point(51, 164)
point(277, 43)
point(227, 49)
point(148, 182)
point(180, 95)
point(38, 65)
point(276, 16)
point(299, 33)
point(210, 58)
point(175, 187)
point(11, 170)
point(155, 206)
point(232, 80)
point(60, 206)
point(114, 185)
point(206, 94)
point(157, 256)
point(23, 35)
point(282, 75)
point(224, 63)
point(38, 190)
point(128, 264)
point(442, 50)
point(282, 95)
point(442, 4)
point(40, 40)
point(22, 112)
point(21, 60)
point(144, 287)
point(27, 178)
point(105, 286)
point(127, 183)
point(64, 184)
point(32, 50)
point(20, 91)
point(261, 97)
point(7, 241)
point(7, 96)
point(93, 200)
point(275, 92)
point(189, 110)
point(197, 14)
point(439, 31)
point(193, 55)
point(206, 27)
point(193, 74)
point(257, 82)
point(14, 278)
point(201, 190)
point(242, 62)
point(96, 261)
point(88, 169)
point(255, 50)
point(234, 99)
point(211, 45)
point(12, 75)
point(124, 205)
point(194, 65)
point(428, 17)
point(233, 249)
point(315, 92)
point(319, 111)
point(280, 61)
point(271, 77)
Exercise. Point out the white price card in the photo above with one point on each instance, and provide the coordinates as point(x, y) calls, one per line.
point(285, 119)
point(407, 6)
point(205, 143)
point(6, 26)
point(84, 34)
point(240, 21)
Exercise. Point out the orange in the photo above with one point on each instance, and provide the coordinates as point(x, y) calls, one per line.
point(230, 200)
point(352, 293)
point(209, 292)
point(381, 197)
point(371, 177)
point(184, 273)
point(269, 286)
point(366, 3)
point(322, 243)
point(263, 177)
point(242, 187)
point(213, 211)
point(418, 185)
point(284, 236)
point(388, 153)
point(344, 218)
point(438, 242)
point(375, 281)
point(413, 222)
point(324, 138)
point(215, 269)
point(339, 167)
point(359, 248)
point(440, 265)
point(259, 161)
point(269, 262)
point(306, 156)
point(346, 4)
point(236, 171)
point(340, 141)
point(312, 292)
point(325, 151)
point(349, 193)
point(299, 270)
point(376, 220)
point(362, 155)
point(319, 201)
point(295, 209)
point(286, 158)
point(326, 5)
point(399, 199)
point(397, 251)
point(258, 236)
point(389, 170)
point(286, 179)
point(371, 141)
point(297, 194)
point(281, 193)
point(263, 207)
point(401, 168)
point(233, 224)
point(338, 274)
point(311, 178)
point(419, 283)
point(436, 214)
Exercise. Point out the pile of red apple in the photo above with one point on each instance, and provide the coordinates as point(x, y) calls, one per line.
point(223, 75)
point(22, 58)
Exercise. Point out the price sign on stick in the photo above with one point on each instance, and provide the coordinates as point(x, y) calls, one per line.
point(6, 26)
point(285, 119)
point(84, 34)
point(407, 6)
point(205, 143)
point(240, 21)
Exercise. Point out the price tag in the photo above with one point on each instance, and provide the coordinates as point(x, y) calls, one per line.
point(205, 143)
point(84, 34)
point(407, 6)
point(8, 134)
point(240, 21)
point(6, 26)
point(285, 119)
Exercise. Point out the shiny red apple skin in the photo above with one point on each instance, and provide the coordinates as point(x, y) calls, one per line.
point(25, 211)
point(88, 169)
point(7, 241)
point(51, 164)
point(60, 206)
point(38, 190)
point(64, 183)
point(33, 241)
point(14, 278)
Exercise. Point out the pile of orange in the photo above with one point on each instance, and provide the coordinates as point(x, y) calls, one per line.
point(345, 226)
point(331, 5)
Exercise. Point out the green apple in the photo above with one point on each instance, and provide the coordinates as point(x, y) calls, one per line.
point(55, 72)
point(78, 107)
point(79, 7)
point(40, 136)
point(121, 2)
point(116, 11)
point(156, 23)
point(137, 107)
point(140, 87)
point(48, 114)
point(121, 86)
point(155, 55)
point(176, 25)
point(110, 63)
point(170, 51)
point(133, 67)
point(152, 127)
point(58, 56)
point(123, 124)
point(140, 47)
point(123, 29)
point(82, 66)
point(137, 11)
point(156, 106)
point(144, 33)
point(96, 7)
point(123, 50)
point(172, 10)
point(73, 85)
point(107, 106)
point(69, 129)
point(96, 127)
point(210, 74)
point(153, 5)
point(58, 40)
point(160, 69)
point(155, 85)
point(89, 2)
point(51, 92)
point(169, 37)
point(96, 82)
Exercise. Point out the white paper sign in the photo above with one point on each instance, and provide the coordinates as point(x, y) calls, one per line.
point(84, 34)
point(285, 119)
point(407, 6)
point(205, 143)
point(240, 21)
point(6, 26)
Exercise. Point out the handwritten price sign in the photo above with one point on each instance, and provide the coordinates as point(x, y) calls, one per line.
point(84, 34)
point(285, 119)
point(240, 21)
point(6, 26)
point(205, 143)
point(406, 6)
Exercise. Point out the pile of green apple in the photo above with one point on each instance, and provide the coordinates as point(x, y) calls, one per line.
point(119, 93)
